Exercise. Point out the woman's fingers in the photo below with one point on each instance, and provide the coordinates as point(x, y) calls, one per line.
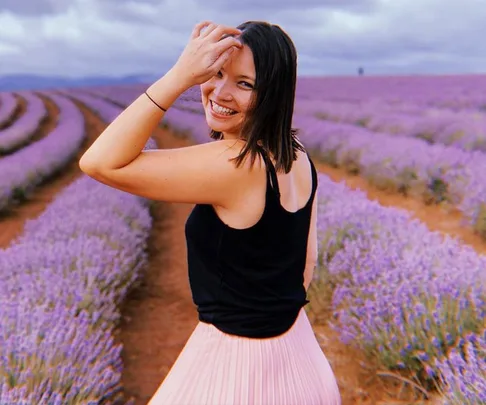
point(227, 43)
point(198, 28)
point(222, 59)
point(210, 47)
point(213, 31)
point(210, 28)
point(221, 30)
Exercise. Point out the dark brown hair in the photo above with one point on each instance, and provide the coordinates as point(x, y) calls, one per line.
point(269, 116)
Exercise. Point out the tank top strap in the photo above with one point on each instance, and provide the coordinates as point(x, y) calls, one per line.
point(271, 172)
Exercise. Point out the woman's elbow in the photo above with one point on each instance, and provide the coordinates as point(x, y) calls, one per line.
point(309, 274)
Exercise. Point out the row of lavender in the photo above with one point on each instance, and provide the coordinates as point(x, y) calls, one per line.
point(435, 173)
point(401, 108)
point(186, 116)
point(8, 106)
point(464, 129)
point(21, 131)
point(400, 291)
point(62, 281)
point(451, 92)
point(409, 297)
point(60, 288)
point(22, 171)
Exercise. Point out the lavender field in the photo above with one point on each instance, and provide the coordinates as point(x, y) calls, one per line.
point(411, 299)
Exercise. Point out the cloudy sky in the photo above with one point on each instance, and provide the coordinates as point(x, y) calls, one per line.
point(333, 37)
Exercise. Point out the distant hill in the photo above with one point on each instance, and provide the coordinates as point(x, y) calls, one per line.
point(35, 82)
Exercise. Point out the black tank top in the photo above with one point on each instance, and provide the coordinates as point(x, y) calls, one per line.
point(249, 282)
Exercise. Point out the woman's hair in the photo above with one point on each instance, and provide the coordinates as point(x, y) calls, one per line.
point(269, 116)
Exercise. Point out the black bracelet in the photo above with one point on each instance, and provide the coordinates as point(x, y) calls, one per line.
point(151, 99)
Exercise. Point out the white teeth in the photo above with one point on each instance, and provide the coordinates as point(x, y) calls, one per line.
point(221, 110)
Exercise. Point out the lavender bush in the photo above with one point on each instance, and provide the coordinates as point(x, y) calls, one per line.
point(109, 107)
point(436, 173)
point(463, 129)
point(61, 283)
point(186, 116)
point(463, 371)
point(450, 92)
point(401, 293)
point(119, 95)
point(25, 169)
point(26, 126)
point(8, 106)
point(105, 110)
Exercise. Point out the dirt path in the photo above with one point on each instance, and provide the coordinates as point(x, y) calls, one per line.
point(159, 316)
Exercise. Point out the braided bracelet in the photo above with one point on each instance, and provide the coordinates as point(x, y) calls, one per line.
point(151, 99)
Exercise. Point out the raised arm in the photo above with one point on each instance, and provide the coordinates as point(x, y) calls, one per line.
point(197, 174)
point(123, 140)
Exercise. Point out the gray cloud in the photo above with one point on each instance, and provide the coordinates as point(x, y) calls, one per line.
point(33, 8)
point(277, 5)
point(117, 37)
point(402, 37)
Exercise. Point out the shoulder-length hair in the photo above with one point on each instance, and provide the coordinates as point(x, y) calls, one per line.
point(269, 117)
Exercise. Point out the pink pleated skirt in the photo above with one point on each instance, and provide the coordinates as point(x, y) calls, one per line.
point(215, 368)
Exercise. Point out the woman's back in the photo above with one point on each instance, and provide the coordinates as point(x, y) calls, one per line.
point(295, 189)
point(246, 265)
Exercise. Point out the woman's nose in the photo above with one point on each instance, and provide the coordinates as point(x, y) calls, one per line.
point(222, 90)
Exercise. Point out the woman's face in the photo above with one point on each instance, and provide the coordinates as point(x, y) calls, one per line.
point(231, 88)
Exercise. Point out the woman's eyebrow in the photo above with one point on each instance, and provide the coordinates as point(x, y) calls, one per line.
point(246, 77)
point(241, 76)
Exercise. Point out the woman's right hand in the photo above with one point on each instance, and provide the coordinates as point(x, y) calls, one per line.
point(206, 52)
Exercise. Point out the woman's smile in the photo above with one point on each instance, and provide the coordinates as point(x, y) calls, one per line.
point(219, 111)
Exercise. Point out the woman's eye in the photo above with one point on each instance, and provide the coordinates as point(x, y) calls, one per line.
point(247, 84)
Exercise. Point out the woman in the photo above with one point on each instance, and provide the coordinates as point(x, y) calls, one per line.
point(251, 238)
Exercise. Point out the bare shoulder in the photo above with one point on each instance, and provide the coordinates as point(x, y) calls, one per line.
point(199, 174)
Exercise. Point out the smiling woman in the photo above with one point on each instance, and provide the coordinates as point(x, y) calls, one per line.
point(251, 242)
point(259, 82)
point(226, 97)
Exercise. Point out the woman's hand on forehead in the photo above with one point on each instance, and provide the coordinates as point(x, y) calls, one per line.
point(209, 47)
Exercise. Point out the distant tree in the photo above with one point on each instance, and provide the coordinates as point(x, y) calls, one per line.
point(361, 71)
